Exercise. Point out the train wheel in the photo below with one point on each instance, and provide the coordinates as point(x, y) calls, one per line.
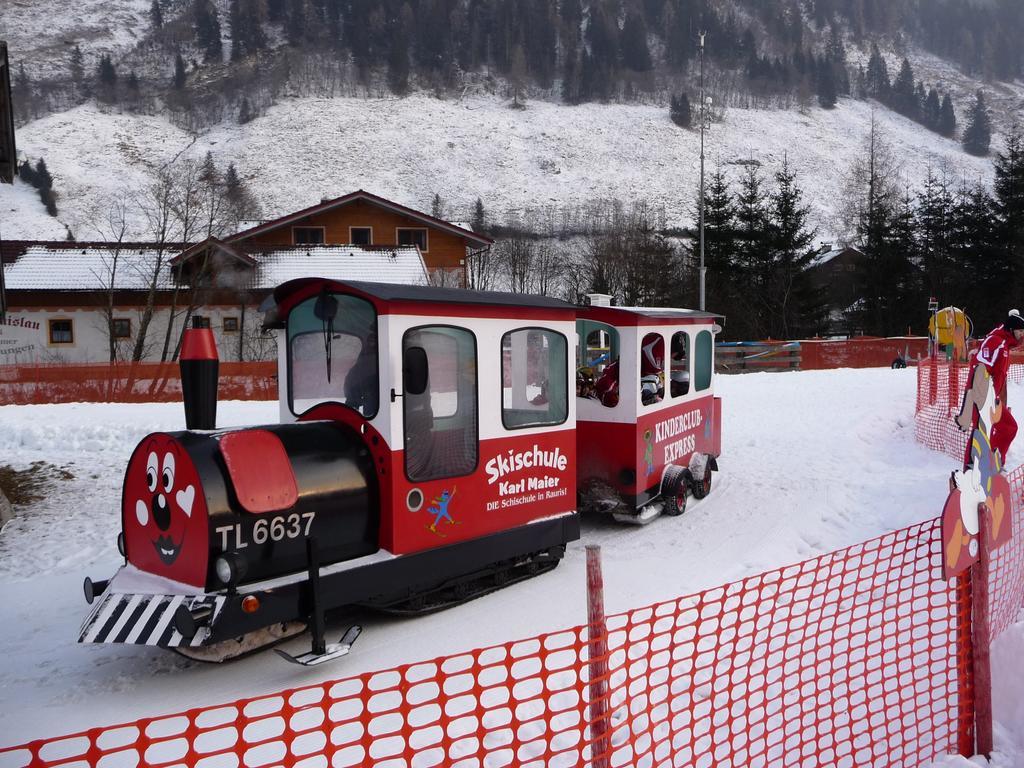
point(674, 490)
point(702, 488)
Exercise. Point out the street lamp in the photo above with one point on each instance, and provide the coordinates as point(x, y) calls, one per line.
point(704, 115)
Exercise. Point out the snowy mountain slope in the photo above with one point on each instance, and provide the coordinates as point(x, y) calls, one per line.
point(799, 477)
point(408, 149)
point(22, 211)
point(42, 33)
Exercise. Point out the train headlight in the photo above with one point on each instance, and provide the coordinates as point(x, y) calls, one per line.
point(230, 568)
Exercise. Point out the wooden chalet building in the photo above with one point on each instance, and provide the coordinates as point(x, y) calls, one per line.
point(832, 275)
point(59, 294)
point(365, 220)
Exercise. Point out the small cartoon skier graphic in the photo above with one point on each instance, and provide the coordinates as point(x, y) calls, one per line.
point(648, 453)
point(439, 509)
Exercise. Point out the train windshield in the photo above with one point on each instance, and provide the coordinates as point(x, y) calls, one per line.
point(332, 354)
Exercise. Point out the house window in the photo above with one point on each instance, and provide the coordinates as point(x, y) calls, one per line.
point(62, 332)
point(200, 321)
point(308, 235)
point(122, 328)
point(230, 325)
point(360, 235)
point(417, 237)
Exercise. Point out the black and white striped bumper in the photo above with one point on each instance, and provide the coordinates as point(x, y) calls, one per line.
point(140, 619)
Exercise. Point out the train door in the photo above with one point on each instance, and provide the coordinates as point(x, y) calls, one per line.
point(440, 402)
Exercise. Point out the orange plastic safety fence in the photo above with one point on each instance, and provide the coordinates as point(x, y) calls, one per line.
point(940, 391)
point(127, 383)
point(857, 657)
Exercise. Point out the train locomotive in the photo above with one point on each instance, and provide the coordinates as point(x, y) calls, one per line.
point(404, 492)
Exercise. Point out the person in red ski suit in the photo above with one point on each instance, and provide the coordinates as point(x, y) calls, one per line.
point(994, 354)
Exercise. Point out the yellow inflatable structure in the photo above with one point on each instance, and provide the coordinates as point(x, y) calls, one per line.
point(950, 328)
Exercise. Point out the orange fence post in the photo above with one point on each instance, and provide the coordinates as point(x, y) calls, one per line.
point(964, 666)
point(981, 637)
point(597, 633)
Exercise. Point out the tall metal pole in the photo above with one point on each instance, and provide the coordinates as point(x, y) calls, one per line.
point(703, 106)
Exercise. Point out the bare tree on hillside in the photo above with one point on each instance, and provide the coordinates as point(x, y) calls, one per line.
point(156, 202)
point(112, 227)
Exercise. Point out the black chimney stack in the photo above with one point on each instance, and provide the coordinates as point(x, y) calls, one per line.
point(199, 370)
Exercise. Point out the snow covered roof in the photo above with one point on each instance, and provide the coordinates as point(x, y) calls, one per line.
point(48, 268)
point(52, 268)
point(402, 265)
point(826, 256)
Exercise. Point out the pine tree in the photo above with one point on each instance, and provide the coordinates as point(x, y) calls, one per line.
point(21, 93)
point(479, 221)
point(27, 173)
point(978, 133)
point(44, 183)
point(179, 72)
point(883, 273)
point(398, 52)
point(106, 71)
point(680, 112)
point(437, 207)
point(793, 310)
point(1009, 202)
point(947, 118)
point(827, 92)
point(208, 32)
point(931, 114)
point(232, 184)
point(208, 172)
point(877, 82)
point(903, 96)
point(753, 256)
point(635, 54)
point(156, 16)
point(133, 83)
point(244, 112)
point(76, 66)
point(934, 222)
point(296, 22)
point(719, 248)
point(277, 10)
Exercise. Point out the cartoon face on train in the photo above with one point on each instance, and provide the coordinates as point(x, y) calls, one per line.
point(164, 512)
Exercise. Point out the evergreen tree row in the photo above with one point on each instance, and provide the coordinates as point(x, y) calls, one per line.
point(757, 248)
point(906, 95)
point(39, 177)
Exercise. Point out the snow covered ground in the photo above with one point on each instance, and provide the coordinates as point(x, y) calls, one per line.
point(408, 149)
point(812, 462)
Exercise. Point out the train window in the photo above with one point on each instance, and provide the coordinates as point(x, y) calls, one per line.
point(534, 365)
point(704, 361)
point(332, 354)
point(441, 423)
point(597, 362)
point(652, 369)
point(679, 364)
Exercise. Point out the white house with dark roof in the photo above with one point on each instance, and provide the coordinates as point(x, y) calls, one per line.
point(59, 294)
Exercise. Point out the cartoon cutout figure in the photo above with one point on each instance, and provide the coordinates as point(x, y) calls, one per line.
point(992, 428)
point(439, 509)
point(164, 514)
point(648, 453)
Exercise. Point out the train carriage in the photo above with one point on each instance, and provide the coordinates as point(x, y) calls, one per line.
point(648, 424)
point(429, 451)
